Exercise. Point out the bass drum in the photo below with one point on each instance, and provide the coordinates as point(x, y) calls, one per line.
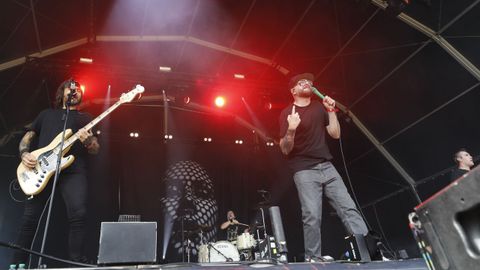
point(212, 253)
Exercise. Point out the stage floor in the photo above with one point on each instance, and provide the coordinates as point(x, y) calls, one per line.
point(413, 264)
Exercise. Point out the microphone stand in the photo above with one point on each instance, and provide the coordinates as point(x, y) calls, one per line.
point(57, 174)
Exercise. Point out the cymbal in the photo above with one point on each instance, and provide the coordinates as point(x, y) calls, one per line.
point(195, 228)
point(205, 227)
point(260, 205)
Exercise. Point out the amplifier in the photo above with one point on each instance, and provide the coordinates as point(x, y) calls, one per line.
point(127, 243)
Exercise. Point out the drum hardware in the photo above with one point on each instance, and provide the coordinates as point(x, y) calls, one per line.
point(185, 212)
point(188, 228)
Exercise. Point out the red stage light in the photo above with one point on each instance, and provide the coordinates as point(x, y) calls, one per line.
point(220, 101)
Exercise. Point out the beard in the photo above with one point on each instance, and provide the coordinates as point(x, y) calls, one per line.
point(74, 101)
point(305, 93)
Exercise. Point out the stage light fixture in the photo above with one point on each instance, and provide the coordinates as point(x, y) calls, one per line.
point(85, 60)
point(220, 101)
point(207, 139)
point(165, 69)
point(270, 144)
point(238, 142)
point(98, 132)
point(268, 105)
point(168, 136)
point(239, 76)
point(134, 134)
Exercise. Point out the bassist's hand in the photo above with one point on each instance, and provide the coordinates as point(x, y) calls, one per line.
point(84, 135)
point(29, 160)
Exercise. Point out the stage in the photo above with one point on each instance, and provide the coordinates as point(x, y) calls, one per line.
point(413, 264)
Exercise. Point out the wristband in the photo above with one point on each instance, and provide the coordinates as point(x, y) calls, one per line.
point(332, 110)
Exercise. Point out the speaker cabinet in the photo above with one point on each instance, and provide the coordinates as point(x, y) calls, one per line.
point(449, 224)
point(127, 243)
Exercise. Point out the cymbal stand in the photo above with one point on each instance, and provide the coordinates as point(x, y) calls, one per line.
point(264, 225)
point(183, 238)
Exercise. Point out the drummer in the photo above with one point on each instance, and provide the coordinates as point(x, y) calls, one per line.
point(232, 226)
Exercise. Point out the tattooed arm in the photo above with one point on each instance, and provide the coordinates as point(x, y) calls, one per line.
point(286, 143)
point(28, 159)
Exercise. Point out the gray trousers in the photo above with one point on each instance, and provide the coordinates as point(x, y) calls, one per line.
point(311, 185)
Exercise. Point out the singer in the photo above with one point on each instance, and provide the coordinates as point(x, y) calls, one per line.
point(303, 128)
point(72, 183)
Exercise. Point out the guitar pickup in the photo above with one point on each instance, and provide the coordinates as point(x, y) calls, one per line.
point(45, 161)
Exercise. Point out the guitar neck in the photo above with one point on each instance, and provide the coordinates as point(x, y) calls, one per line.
point(90, 125)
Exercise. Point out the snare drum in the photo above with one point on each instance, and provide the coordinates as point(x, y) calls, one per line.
point(211, 253)
point(245, 241)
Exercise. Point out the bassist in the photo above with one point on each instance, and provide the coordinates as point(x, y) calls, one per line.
point(72, 183)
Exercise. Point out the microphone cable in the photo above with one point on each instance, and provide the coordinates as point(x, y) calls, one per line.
point(11, 188)
point(14, 246)
point(389, 249)
point(350, 183)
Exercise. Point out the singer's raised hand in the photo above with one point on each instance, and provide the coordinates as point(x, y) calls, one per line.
point(293, 119)
point(329, 103)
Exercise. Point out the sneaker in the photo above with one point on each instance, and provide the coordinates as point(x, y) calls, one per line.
point(325, 258)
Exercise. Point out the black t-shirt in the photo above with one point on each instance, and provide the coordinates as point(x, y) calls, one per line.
point(457, 173)
point(309, 146)
point(230, 233)
point(49, 123)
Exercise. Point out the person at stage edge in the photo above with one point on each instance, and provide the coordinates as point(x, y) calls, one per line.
point(303, 128)
point(72, 183)
point(464, 163)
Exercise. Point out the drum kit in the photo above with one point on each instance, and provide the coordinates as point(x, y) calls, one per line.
point(241, 249)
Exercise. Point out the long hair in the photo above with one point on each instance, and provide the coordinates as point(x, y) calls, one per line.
point(60, 91)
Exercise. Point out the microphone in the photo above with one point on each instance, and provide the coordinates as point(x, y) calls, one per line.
point(73, 88)
point(316, 92)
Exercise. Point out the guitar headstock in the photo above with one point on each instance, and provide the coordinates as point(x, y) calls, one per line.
point(128, 97)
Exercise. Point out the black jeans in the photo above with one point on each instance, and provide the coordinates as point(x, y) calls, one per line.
point(73, 188)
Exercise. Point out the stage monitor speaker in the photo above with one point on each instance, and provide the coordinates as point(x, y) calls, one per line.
point(127, 243)
point(357, 248)
point(448, 225)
